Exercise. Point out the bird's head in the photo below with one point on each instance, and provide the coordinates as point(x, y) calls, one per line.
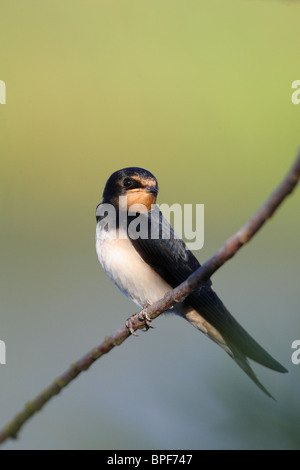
point(138, 185)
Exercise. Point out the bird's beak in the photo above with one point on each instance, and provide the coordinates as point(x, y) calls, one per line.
point(152, 189)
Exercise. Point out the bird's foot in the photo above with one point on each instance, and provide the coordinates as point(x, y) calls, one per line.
point(143, 316)
point(128, 325)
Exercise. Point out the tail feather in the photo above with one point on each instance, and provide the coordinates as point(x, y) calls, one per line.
point(212, 309)
point(236, 342)
point(250, 348)
point(244, 365)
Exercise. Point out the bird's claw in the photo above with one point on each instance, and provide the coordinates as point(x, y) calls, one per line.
point(143, 316)
point(128, 325)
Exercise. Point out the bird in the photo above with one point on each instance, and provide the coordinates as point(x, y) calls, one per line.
point(145, 268)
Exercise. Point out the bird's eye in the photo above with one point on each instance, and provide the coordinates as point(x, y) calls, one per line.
point(127, 182)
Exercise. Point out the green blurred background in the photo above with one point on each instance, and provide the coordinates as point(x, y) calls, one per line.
point(199, 93)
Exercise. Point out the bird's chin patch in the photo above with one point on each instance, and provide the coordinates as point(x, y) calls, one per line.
point(140, 200)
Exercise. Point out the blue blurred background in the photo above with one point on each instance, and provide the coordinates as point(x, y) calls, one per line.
point(199, 93)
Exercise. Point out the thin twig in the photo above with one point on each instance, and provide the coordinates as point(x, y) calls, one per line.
point(232, 245)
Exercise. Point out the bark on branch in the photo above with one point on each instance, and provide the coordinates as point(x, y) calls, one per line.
point(232, 245)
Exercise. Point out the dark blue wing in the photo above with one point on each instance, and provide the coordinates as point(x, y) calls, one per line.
point(169, 256)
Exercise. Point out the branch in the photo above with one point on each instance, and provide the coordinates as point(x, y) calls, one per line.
point(137, 321)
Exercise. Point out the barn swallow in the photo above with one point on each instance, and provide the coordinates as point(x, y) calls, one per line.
point(146, 268)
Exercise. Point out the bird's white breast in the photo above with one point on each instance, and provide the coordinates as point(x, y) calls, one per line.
point(127, 269)
point(138, 281)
